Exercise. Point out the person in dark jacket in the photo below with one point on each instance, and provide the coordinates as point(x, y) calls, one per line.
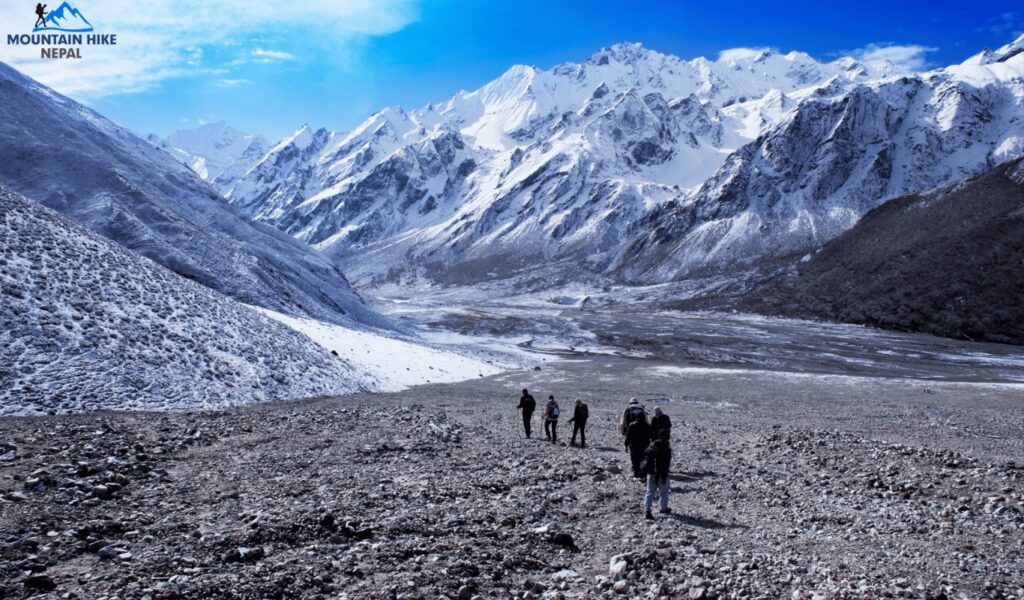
point(637, 433)
point(657, 460)
point(633, 412)
point(551, 411)
point(527, 404)
point(660, 421)
point(580, 414)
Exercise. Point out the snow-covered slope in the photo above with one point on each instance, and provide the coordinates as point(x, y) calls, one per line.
point(394, 364)
point(636, 165)
point(533, 167)
point(217, 152)
point(88, 325)
point(839, 153)
point(61, 154)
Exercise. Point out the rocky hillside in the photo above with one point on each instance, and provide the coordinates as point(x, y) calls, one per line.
point(949, 262)
point(884, 491)
point(87, 325)
point(71, 159)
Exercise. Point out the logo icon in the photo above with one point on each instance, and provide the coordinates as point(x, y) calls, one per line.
point(64, 18)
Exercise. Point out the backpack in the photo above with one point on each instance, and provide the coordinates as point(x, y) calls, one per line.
point(638, 433)
point(633, 414)
point(554, 411)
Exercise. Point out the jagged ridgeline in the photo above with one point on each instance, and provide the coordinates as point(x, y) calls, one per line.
point(634, 165)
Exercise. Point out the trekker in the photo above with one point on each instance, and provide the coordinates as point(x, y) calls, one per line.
point(637, 434)
point(657, 459)
point(580, 414)
point(527, 404)
point(41, 13)
point(660, 421)
point(551, 411)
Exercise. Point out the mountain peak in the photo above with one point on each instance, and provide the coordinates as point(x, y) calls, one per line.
point(623, 52)
point(745, 54)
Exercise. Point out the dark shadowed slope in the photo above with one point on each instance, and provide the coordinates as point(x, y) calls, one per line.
point(61, 154)
point(949, 262)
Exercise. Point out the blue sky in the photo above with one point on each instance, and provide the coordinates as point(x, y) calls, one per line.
point(269, 67)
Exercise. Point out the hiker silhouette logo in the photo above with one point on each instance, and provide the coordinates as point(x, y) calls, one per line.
point(64, 18)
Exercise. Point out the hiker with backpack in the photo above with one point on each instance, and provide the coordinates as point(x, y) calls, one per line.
point(657, 459)
point(637, 433)
point(660, 421)
point(527, 404)
point(551, 411)
point(580, 414)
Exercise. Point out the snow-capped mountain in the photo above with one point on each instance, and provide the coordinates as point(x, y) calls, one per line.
point(86, 324)
point(636, 165)
point(217, 152)
point(71, 159)
point(534, 166)
point(837, 154)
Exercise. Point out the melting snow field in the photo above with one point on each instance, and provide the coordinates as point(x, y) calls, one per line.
point(394, 363)
point(731, 373)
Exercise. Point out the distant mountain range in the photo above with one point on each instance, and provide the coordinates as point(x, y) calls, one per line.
point(634, 166)
point(217, 152)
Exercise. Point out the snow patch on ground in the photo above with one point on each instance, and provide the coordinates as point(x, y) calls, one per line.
point(674, 371)
point(396, 364)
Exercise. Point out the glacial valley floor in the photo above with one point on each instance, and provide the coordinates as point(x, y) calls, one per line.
point(794, 485)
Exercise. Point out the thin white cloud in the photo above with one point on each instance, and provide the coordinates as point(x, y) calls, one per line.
point(230, 83)
point(267, 56)
point(910, 57)
point(1006, 24)
point(160, 39)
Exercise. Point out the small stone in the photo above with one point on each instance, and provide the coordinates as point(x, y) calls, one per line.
point(102, 492)
point(42, 583)
point(244, 554)
point(563, 539)
point(465, 593)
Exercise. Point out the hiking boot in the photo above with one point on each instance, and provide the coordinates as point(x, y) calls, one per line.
point(648, 516)
point(666, 511)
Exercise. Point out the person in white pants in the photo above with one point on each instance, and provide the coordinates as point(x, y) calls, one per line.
point(657, 460)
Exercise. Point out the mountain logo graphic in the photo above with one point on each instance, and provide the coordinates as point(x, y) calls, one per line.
point(64, 18)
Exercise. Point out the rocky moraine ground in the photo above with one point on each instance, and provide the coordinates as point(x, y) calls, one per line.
point(785, 485)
